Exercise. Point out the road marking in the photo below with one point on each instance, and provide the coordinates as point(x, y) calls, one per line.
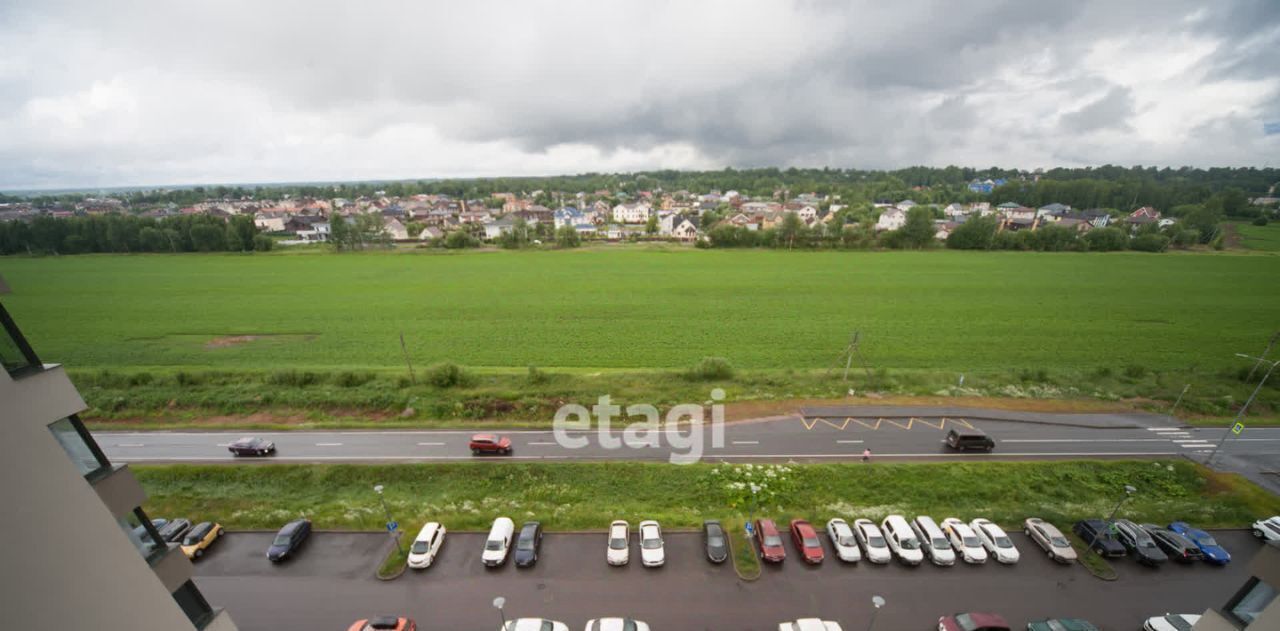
point(847, 442)
point(130, 445)
point(541, 444)
point(1191, 442)
point(1164, 429)
point(224, 444)
point(1083, 440)
point(328, 444)
point(662, 456)
point(430, 444)
point(746, 442)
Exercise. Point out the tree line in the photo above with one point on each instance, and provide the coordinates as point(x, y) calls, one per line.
point(118, 233)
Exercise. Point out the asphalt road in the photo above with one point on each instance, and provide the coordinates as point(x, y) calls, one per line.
point(331, 584)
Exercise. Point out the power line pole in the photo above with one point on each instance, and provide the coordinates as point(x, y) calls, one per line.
point(405, 349)
point(1270, 344)
point(1244, 408)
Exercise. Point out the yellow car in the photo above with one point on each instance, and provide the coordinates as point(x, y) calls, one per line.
point(200, 537)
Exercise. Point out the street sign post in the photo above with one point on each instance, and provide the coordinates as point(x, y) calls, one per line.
point(391, 526)
point(1237, 428)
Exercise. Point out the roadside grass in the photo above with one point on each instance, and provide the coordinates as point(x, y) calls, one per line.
point(746, 562)
point(1097, 565)
point(395, 563)
point(587, 496)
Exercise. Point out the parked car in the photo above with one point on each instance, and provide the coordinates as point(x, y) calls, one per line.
point(1050, 539)
point(770, 541)
point(252, 446)
point(935, 544)
point(902, 540)
point(872, 541)
point(806, 541)
point(843, 540)
point(490, 444)
point(994, 539)
point(534, 624)
point(1137, 541)
point(174, 530)
point(1062, 624)
point(425, 547)
point(289, 539)
point(199, 538)
point(528, 544)
point(1213, 552)
point(964, 539)
point(1267, 529)
point(969, 440)
point(652, 552)
point(1098, 535)
point(140, 531)
point(810, 624)
point(973, 622)
point(498, 542)
point(1176, 546)
point(384, 623)
point(714, 541)
point(619, 549)
point(616, 624)
point(1171, 622)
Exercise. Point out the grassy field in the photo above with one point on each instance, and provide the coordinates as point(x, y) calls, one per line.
point(467, 496)
point(1265, 238)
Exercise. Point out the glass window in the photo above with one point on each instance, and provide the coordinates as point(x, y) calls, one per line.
point(15, 354)
point(193, 604)
point(76, 446)
point(1251, 600)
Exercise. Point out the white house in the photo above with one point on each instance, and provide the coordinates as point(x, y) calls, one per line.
point(684, 229)
point(807, 213)
point(319, 233)
point(891, 219)
point(269, 222)
point(906, 204)
point(395, 229)
point(954, 210)
point(431, 232)
point(631, 213)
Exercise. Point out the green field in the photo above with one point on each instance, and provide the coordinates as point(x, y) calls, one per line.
point(1264, 238)
point(645, 309)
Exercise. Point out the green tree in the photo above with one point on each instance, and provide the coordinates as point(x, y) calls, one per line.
point(917, 233)
point(460, 239)
point(1204, 220)
point(339, 232)
point(1106, 239)
point(974, 234)
point(208, 238)
point(567, 237)
point(789, 229)
point(651, 225)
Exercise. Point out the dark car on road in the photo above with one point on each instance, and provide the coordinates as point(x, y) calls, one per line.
point(490, 444)
point(1213, 553)
point(174, 530)
point(805, 539)
point(973, 622)
point(969, 439)
point(528, 544)
point(252, 446)
point(289, 539)
point(770, 541)
point(1178, 547)
point(714, 541)
point(384, 623)
point(1097, 534)
point(1140, 543)
point(1061, 624)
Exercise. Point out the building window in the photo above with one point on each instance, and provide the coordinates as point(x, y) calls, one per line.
point(1250, 601)
point(16, 355)
point(80, 447)
point(193, 604)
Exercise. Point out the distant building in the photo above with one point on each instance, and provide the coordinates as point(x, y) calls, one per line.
point(891, 219)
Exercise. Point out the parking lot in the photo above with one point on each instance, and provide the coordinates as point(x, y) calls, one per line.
point(331, 583)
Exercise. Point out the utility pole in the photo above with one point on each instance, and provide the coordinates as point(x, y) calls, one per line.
point(1244, 408)
point(1175, 403)
point(404, 349)
point(1128, 491)
point(1270, 344)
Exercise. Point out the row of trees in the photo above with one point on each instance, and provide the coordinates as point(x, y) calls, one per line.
point(127, 233)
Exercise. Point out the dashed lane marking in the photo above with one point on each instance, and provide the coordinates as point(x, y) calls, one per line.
point(746, 442)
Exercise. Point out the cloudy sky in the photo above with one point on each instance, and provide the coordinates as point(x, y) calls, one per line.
point(135, 92)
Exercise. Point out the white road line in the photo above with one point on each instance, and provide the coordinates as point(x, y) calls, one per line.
point(662, 456)
point(745, 442)
point(1083, 440)
point(1164, 429)
point(852, 442)
point(430, 444)
point(224, 444)
point(328, 444)
point(1191, 442)
point(130, 445)
point(543, 444)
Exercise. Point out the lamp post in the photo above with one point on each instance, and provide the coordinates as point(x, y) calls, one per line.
point(878, 602)
point(497, 604)
point(751, 512)
point(390, 529)
point(1244, 408)
point(1128, 491)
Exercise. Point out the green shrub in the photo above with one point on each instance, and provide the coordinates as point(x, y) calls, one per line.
point(537, 377)
point(1260, 221)
point(141, 379)
point(1135, 371)
point(184, 378)
point(347, 379)
point(449, 375)
point(1149, 243)
point(1106, 239)
point(460, 239)
point(294, 378)
point(263, 243)
point(711, 369)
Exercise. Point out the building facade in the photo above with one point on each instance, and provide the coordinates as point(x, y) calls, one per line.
point(1254, 607)
point(71, 555)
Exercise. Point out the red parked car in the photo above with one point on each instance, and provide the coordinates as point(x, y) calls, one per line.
point(384, 623)
point(490, 444)
point(770, 541)
point(806, 541)
point(973, 622)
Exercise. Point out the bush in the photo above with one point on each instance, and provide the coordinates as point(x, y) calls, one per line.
point(1106, 239)
point(460, 239)
point(1135, 371)
point(1009, 240)
point(712, 369)
point(347, 379)
point(1260, 221)
point(974, 234)
point(537, 377)
point(448, 376)
point(184, 378)
point(1150, 243)
point(140, 379)
point(1053, 239)
point(1186, 238)
point(294, 378)
point(567, 237)
point(263, 243)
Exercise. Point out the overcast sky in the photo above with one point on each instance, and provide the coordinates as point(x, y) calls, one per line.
point(138, 92)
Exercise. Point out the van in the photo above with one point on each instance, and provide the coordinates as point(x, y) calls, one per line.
point(966, 439)
point(498, 542)
point(933, 540)
point(902, 540)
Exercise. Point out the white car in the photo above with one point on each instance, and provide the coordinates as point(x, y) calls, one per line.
point(810, 624)
point(616, 624)
point(619, 550)
point(426, 545)
point(498, 542)
point(902, 540)
point(964, 540)
point(872, 540)
point(1267, 529)
point(995, 541)
point(934, 542)
point(1171, 622)
point(843, 541)
point(651, 552)
point(534, 624)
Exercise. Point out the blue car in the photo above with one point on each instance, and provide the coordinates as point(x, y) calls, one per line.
point(1213, 552)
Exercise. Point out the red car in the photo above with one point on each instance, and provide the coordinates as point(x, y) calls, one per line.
point(973, 622)
point(806, 541)
point(490, 444)
point(381, 623)
point(770, 541)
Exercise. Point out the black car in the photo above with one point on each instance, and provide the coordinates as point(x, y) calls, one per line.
point(1178, 547)
point(289, 539)
point(714, 541)
point(252, 446)
point(141, 531)
point(1097, 534)
point(1140, 543)
point(965, 439)
point(174, 530)
point(528, 544)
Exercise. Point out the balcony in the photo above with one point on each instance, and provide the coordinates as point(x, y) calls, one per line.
point(16, 355)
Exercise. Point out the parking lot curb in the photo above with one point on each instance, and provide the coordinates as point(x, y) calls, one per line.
point(742, 577)
point(390, 549)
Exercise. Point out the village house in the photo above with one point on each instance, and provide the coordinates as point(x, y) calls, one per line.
point(269, 222)
point(395, 229)
point(430, 232)
point(891, 219)
point(631, 213)
point(1143, 216)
